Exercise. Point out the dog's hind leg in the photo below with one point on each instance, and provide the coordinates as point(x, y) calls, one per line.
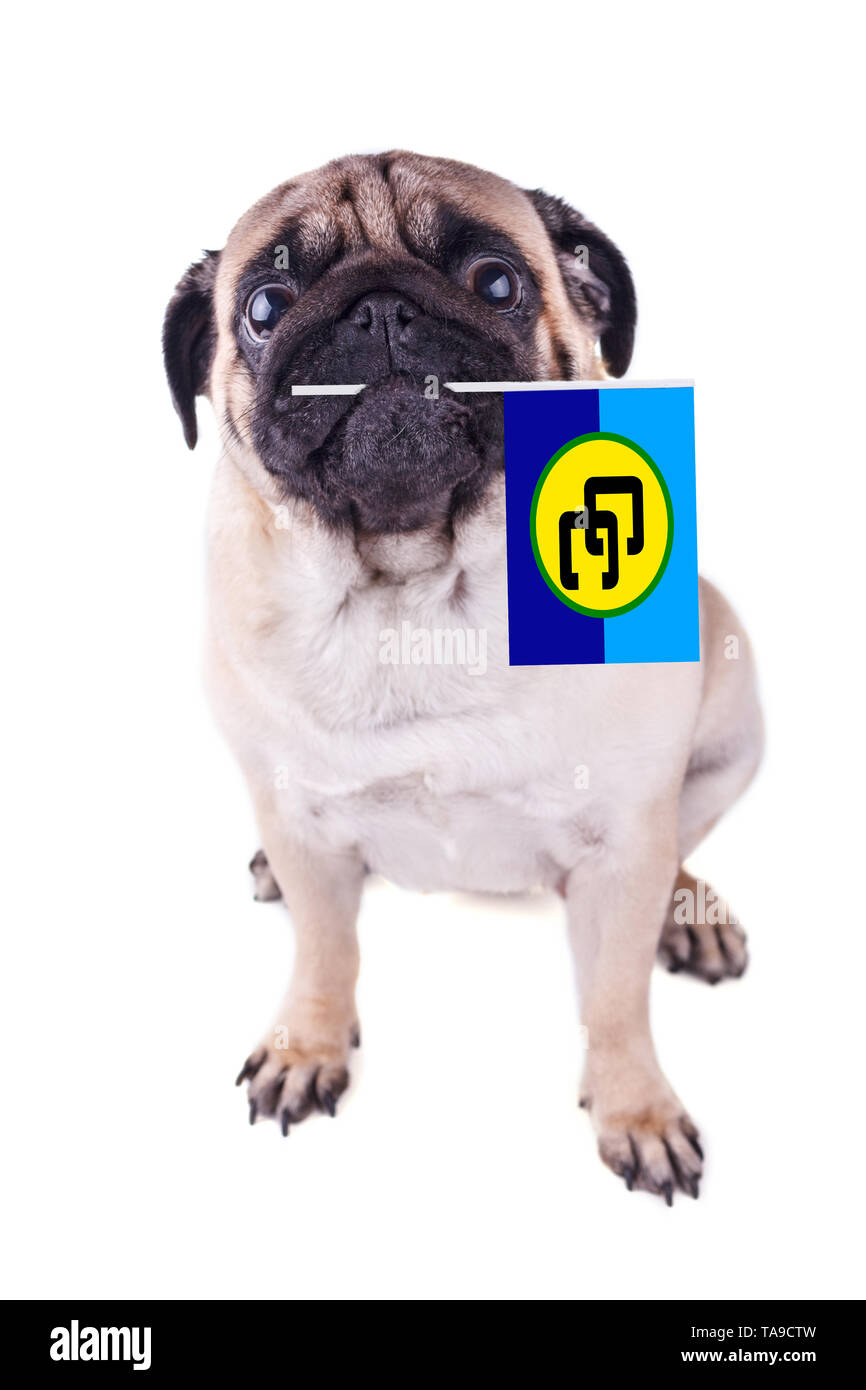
point(265, 886)
point(700, 934)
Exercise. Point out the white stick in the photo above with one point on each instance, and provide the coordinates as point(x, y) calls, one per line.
point(495, 386)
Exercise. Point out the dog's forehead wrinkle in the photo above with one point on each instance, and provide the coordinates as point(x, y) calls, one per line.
point(421, 225)
point(320, 233)
point(376, 212)
point(345, 218)
point(390, 202)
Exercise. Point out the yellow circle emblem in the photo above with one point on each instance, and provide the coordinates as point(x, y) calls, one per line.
point(601, 525)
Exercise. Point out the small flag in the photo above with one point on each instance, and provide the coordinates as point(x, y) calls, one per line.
point(601, 525)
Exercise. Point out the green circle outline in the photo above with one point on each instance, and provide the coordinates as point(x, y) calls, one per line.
point(554, 588)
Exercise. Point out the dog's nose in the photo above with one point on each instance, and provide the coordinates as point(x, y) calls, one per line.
point(383, 314)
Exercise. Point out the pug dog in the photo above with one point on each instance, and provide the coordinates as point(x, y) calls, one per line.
point(338, 517)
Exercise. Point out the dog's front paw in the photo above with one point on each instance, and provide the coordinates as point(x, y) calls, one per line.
point(655, 1152)
point(651, 1143)
point(294, 1072)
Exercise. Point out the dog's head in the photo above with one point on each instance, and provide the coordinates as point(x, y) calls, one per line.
point(401, 273)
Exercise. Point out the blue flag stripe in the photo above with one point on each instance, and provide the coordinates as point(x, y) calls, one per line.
point(541, 630)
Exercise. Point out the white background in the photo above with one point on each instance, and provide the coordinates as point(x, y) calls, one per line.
point(718, 145)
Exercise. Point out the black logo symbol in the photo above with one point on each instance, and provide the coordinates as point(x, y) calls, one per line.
point(593, 521)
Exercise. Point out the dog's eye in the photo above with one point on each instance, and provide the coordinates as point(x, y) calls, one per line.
point(265, 308)
point(495, 282)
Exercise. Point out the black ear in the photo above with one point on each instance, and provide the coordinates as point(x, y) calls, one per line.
point(596, 276)
point(189, 340)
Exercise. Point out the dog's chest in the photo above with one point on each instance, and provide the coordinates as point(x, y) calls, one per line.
point(383, 713)
point(393, 723)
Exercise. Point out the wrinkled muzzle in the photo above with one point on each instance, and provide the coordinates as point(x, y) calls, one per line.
point(404, 449)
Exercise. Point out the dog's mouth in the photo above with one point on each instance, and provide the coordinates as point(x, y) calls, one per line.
point(403, 453)
point(405, 450)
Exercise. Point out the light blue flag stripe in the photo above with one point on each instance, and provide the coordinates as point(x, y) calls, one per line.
point(665, 626)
